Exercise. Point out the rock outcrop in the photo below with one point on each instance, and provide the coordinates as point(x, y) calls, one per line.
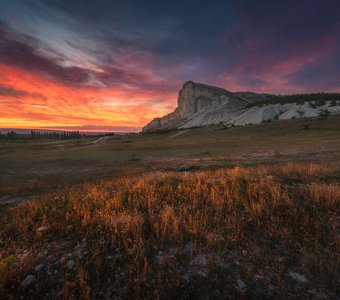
point(194, 98)
point(203, 105)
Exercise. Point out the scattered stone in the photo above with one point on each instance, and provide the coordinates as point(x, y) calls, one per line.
point(62, 260)
point(316, 294)
point(42, 228)
point(241, 286)
point(198, 266)
point(199, 260)
point(188, 248)
point(23, 256)
point(29, 280)
point(51, 259)
point(38, 268)
point(237, 262)
point(70, 264)
point(298, 277)
point(80, 249)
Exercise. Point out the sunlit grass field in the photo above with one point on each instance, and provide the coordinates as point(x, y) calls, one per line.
point(35, 166)
point(240, 232)
point(205, 214)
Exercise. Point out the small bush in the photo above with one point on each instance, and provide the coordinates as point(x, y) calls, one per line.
point(5, 264)
point(324, 114)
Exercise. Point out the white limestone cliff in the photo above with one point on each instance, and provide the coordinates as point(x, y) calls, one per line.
point(193, 98)
point(204, 105)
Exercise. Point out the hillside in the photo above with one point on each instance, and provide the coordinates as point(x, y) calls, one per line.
point(202, 105)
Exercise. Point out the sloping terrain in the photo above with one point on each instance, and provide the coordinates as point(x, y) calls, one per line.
point(258, 114)
point(202, 105)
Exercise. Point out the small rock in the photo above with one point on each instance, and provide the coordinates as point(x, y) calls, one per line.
point(197, 266)
point(38, 268)
point(199, 260)
point(62, 260)
point(188, 248)
point(237, 262)
point(240, 285)
point(23, 256)
point(29, 280)
point(298, 277)
point(70, 264)
point(42, 228)
point(186, 277)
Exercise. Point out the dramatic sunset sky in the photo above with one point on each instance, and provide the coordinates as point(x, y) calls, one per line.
point(115, 65)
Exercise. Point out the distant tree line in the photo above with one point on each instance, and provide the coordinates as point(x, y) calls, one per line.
point(11, 135)
point(63, 135)
point(315, 99)
point(53, 135)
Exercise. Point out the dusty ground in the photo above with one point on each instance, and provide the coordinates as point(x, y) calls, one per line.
point(31, 167)
point(156, 206)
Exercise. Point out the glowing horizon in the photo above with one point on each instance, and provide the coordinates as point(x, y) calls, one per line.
point(117, 68)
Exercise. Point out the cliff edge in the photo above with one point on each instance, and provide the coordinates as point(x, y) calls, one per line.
point(203, 105)
point(194, 98)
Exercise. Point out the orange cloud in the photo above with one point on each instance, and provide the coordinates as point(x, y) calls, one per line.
point(37, 101)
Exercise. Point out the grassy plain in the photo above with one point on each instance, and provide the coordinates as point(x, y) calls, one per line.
point(210, 213)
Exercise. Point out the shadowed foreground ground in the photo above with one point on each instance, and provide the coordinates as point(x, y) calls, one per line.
point(259, 232)
point(198, 214)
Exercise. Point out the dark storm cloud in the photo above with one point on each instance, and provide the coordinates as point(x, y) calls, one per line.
point(23, 51)
point(8, 91)
point(278, 31)
point(145, 44)
point(174, 33)
point(28, 53)
point(11, 92)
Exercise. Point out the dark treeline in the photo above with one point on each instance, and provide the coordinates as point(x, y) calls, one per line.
point(64, 135)
point(12, 135)
point(316, 99)
point(53, 135)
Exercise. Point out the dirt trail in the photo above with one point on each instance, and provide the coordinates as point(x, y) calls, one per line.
point(101, 140)
point(177, 134)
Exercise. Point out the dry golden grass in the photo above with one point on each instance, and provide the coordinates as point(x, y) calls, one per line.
point(242, 232)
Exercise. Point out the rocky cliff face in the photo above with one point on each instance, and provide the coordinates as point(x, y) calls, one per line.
point(193, 98)
point(204, 105)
